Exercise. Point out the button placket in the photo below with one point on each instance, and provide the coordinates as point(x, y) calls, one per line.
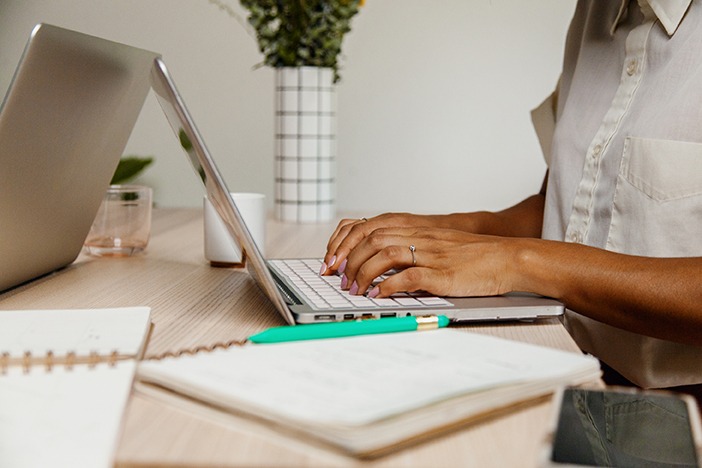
point(583, 203)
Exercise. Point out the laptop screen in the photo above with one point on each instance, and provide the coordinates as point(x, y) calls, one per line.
point(217, 191)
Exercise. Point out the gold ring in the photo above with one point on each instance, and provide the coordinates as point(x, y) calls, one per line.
point(412, 249)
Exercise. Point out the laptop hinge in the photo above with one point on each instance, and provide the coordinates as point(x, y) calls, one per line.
point(287, 293)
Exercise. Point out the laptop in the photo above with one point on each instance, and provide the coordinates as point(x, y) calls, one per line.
point(294, 285)
point(64, 123)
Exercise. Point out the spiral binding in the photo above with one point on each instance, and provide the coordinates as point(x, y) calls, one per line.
point(28, 361)
point(196, 350)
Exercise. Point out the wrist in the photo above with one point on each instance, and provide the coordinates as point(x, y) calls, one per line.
point(534, 267)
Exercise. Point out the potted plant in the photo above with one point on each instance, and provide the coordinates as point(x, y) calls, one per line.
point(301, 33)
point(302, 40)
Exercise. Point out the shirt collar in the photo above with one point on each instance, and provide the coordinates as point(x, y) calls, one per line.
point(669, 12)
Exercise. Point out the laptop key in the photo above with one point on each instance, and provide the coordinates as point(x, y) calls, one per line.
point(433, 301)
point(408, 301)
point(360, 301)
point(385, 302)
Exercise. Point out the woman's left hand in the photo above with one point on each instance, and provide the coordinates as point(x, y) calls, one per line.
point(443, 262)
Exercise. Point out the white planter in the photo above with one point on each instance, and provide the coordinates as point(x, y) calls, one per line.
point(305, 149)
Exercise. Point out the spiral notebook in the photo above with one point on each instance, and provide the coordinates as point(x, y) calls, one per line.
point(65, 378)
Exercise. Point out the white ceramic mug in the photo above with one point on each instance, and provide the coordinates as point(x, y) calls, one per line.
point(221, 249)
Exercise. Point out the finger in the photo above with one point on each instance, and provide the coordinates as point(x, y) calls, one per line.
point(379, 253)
point(381, 238)
point(412, 279)
point(330, 258)
point(339, 227)
point(427, 240)
point(349, 237)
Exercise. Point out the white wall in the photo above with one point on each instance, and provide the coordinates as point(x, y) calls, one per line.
point(433, 109)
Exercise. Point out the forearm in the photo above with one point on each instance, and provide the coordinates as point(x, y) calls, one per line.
point(657, 297)
point(521, 220)
point(524, 219)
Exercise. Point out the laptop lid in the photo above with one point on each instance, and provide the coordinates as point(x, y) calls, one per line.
point(217, 192)
point(64, 123)
point(516, 306)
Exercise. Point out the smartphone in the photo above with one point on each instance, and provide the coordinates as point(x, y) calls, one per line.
point(623, 427)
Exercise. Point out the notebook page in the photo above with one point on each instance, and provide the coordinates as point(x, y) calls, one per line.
point(63, 418)
point(56, 412)
point(73, 330)
point(359, 380)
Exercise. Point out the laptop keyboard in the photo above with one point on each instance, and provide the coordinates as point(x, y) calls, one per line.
point(325, 293)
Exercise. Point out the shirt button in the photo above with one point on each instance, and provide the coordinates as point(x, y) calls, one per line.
point(576, 238)
point(597, 150)
point(631, 67)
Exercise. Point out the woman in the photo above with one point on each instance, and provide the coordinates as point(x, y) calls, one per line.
point(615, 232)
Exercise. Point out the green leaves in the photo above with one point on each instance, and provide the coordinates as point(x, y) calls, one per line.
point(294, 33)
point(129, 167)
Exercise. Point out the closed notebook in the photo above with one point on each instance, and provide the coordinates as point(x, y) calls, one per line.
point(65, 378)
point(368, 394)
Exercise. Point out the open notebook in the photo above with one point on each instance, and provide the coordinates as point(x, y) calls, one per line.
point(65, 377)
point(369, 394)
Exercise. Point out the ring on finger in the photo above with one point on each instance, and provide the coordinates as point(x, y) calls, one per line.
point(364, 220)
point(412, 249)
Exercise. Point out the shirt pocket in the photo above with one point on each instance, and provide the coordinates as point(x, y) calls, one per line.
point(657, 206)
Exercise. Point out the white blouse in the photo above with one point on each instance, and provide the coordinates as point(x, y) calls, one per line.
point(625, 158)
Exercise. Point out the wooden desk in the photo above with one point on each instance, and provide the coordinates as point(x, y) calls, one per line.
point(194, 304)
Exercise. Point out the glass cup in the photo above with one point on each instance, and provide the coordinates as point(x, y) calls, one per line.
point(123, 223)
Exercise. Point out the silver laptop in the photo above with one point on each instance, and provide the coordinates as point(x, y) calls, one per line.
point(294, 286)
point(64, 123)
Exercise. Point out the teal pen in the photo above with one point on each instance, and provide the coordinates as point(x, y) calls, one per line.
point(317, 331)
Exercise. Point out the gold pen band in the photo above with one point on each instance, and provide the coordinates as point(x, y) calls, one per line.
point(427, 322)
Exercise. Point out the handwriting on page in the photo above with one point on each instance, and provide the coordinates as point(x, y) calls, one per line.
point(73, 330)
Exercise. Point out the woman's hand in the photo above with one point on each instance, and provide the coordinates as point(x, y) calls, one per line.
point(350, 232)
point(443, 262)
point(521, 220)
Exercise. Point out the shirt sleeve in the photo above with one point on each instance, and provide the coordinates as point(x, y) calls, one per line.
point(544, 120)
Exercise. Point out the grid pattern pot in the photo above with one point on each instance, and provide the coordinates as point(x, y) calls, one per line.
point(305, 148)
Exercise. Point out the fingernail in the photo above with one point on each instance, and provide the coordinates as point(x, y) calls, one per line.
point(332, 261)
point(342, 267)
point(344, 280)
point(354, 289)
point(323, 269)
point(374, 292)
